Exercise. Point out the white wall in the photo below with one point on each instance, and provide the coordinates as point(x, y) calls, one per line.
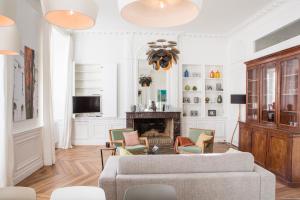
point(27, 134)
point(241, 49)
point(128, 47)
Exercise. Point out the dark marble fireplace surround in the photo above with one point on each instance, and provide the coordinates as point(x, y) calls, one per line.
point(153, 120)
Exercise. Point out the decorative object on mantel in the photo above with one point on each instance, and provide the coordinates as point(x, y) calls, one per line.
point(159, 13)
point(162, 54)
point(195, 88)
point(133, 108)
point(153, 106)
point(145, 81)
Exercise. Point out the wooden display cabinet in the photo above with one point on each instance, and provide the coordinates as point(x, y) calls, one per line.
point(271, 131)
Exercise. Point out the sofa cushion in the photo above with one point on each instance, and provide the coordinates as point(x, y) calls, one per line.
point(189, 149)
point(135, 148)
point(170, 164)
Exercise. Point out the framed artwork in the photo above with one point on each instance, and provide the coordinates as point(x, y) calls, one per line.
point(162, 96)
point(212, 113)
point(25, 91)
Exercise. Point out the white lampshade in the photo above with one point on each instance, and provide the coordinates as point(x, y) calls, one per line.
point(10, 41)
point(159, 13)
point(7, 12)
point(71, 14)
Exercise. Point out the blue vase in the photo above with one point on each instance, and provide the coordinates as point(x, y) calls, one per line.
point(186, 73)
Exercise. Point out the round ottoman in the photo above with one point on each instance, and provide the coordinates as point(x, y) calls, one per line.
point(78, 193)
point(151, 192)
point(17, 193)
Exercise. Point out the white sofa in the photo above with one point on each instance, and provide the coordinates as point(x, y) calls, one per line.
point(229, 176)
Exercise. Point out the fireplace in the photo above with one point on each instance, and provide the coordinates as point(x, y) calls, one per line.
point(158, 127)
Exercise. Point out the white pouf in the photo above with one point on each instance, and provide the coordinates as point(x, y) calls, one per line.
point(17, 193)
point(78, 193)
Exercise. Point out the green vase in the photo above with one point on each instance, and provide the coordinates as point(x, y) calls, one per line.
point(219, 99)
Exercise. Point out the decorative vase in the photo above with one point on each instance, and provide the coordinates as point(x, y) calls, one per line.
point(217, 74)
point(153, 106)
point(186, 73)
point(207, 100)
point(219, 99)
point(212, 74)
point(187, 88)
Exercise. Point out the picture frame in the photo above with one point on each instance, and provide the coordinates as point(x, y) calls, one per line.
point(212, 113)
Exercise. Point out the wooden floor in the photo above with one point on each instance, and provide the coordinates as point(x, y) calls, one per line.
point(82, 165)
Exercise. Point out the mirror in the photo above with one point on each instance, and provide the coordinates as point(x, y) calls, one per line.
point(152, 86)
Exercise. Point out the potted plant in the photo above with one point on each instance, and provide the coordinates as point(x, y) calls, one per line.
point(145, 81)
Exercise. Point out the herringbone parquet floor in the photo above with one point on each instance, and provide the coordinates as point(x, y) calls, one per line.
point(81, 166)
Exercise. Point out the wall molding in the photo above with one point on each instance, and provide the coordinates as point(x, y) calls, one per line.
point(148, 33)
point(29, 160)
point(261, 13)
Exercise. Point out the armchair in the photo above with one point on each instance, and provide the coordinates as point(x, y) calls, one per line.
point(194, 134)
point(116, 138)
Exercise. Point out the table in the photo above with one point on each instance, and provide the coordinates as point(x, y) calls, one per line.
point(104, 148)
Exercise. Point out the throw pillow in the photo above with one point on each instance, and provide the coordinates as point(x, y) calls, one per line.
point(201, 139)
point(131, 138)
point(124, 152)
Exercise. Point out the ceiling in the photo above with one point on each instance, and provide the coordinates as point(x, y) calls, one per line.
point(216, 16)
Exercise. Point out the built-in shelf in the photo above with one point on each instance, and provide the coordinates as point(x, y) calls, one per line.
point(88, 79)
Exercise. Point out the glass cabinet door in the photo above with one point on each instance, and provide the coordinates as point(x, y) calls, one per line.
point(289, 92)
point(268, 93)
point(253, 94)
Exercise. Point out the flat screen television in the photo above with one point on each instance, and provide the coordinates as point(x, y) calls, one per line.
point(86, 104)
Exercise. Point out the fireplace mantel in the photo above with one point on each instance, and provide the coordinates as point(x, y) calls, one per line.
point(174, 116)
point(152, 115)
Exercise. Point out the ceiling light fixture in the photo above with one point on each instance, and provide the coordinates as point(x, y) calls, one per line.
point(159, 13)
point(10, 41)
point(71, 14)
point(7, 12)
point(9, 37)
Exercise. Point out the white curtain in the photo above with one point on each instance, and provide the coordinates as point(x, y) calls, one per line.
point(49, 126)
point(68, 118)
point(6, 140)
point(62, 90)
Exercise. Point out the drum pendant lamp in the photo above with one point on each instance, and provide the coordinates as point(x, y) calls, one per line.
point(9, 37)
point(70, 14)
point(159, 13)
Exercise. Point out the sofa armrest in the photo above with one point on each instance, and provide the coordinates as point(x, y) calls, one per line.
point(267, 183)
point(107, 180)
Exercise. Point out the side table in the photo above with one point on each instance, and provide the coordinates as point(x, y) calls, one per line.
point(104, 148)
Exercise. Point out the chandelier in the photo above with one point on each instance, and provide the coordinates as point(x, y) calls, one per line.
point(162, 54)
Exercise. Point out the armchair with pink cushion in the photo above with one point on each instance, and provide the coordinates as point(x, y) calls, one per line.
point(117, 138)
